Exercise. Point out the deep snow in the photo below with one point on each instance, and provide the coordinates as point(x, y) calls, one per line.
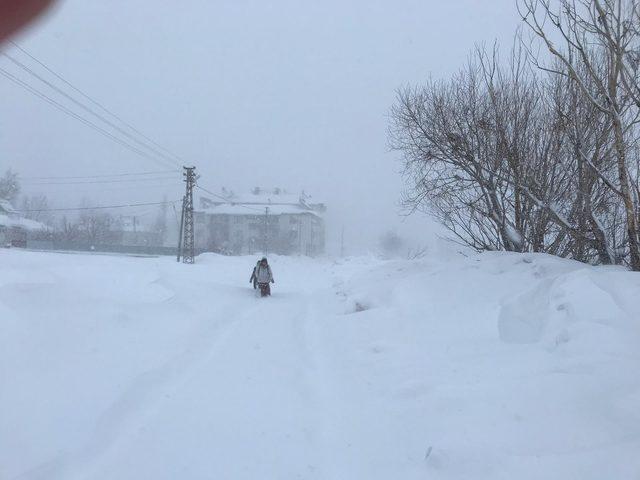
point(495, 366)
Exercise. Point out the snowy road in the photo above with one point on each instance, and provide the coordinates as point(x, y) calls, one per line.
point(500, 367)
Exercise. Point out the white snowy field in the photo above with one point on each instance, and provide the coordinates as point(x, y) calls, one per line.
point(497, 366)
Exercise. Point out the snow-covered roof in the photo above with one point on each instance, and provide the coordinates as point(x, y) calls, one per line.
point(246, 209)
point(10, 217)
point(279, 202)
point(265, 196)
point(31, 225)
point(6, 207)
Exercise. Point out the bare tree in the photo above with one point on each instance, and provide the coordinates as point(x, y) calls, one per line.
point(94, 225)
point(507, 160)
point(526, 155)
point(469, 148)
point(9, 186)
point(599, 45)
point(36, 207)
point(69, 231)
point(417, 252)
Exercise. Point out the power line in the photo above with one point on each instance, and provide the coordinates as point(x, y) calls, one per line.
point(129, 187)
point(87, 109)
point(159, 172)
point(92, 182)
point(81, 119)
point(101, 207)
point(95, 102)
point(92, 187)
point(124, 189)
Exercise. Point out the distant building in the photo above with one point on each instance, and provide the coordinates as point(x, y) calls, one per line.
point(15, 230)
point(133, 233)
point(271, 220)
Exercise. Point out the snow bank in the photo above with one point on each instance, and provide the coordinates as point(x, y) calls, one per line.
point(496, 366)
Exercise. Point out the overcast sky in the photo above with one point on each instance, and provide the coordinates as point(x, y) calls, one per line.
point(274, 93)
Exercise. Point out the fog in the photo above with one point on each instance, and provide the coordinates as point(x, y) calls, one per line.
point(277, 94)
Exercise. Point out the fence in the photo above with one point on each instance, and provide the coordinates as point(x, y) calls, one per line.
point(85, 247)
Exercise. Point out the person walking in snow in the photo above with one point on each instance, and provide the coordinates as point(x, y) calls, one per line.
point(264, 277)
point(253, 278)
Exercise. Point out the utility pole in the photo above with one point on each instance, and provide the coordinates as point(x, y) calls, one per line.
point(181, 230)
point(342, 243)
point(266, 231)
point(188, 240)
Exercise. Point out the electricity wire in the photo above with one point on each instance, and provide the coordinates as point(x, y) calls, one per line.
point(87, 109)
point(93, 182)
point(92, 100)
point(100, 207)
point(73, 177)
point(81, 119)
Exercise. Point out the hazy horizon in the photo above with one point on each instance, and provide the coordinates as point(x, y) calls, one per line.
point(280, 95)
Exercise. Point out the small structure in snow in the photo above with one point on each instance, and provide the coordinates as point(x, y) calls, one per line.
point(14, 228)
point(135, 233)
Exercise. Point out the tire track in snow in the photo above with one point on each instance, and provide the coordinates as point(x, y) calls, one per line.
point(301, 395)
point(256, 405)
point(141, 401)
point(332, 410)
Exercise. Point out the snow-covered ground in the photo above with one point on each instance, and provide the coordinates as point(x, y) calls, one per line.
point(497, 366)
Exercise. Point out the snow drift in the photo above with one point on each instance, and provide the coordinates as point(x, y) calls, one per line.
point(496, 366)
